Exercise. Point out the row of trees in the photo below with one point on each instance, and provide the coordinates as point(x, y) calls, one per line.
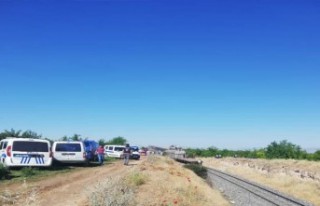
point(76, 137)
point(275, 150)
point(19, 133)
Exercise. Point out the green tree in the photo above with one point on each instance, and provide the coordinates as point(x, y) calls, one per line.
point(284, 150)
point(316, 155)
point(10, 133)
point(117, 141)
point(64, 138)
point(30, 134)
point(76, 137)
point(102, 142)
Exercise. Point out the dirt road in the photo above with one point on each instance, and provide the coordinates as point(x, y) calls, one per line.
point(71, 188)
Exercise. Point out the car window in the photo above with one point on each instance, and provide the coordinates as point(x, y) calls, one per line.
point(110, 148)
point(118, 149)
point(25, 146)
point(4, 145)
point(68, 147)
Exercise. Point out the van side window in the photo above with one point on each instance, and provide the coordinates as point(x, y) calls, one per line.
point(5, 145)
point(119, 149)
point(110, 148)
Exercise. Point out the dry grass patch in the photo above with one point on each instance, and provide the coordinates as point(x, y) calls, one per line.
point(157, 181)
point(298, 178)
point(168, 183)
point(27, 196)
point(113, 191)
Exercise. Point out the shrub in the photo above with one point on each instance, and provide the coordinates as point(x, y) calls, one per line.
point(200, 170)
point(4, 172)
point(112, 192)
point(137, 179)
point(28, 171)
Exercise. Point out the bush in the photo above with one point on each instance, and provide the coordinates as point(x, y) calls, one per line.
point(113, 191)
point(137, 179)
point(4, 172)
point(200, 170)
point(28, 171)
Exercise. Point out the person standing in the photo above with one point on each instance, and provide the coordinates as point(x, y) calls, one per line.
point(126, 154)
point(100, 153)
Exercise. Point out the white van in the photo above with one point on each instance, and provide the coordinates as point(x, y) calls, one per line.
point(114, 150)
point(69, 152)
point(20, 152)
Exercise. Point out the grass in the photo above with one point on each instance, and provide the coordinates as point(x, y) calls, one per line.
point(34, 173)
point(137, 179)
point(8, 197)
point(4, 172)
point(169, 183)
point(200, 170)
point(113, 191)
point(31, 173)
point(157, 181)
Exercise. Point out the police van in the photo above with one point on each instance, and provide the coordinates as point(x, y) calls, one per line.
point(69, 152)
point(114, 150)
point(21, 152)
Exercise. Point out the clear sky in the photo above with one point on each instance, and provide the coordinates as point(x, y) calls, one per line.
point(231, 74)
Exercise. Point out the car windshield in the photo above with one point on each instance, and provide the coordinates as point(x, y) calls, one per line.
point(134, 148)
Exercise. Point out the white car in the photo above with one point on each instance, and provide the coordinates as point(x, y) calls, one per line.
point(21, 152)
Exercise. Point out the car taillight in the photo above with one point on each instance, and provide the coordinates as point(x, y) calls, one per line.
point(84, 155)
point(9, 151)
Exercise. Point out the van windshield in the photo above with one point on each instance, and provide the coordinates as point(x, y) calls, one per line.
point(26, 146)
point(68, 147)
point(118, 149)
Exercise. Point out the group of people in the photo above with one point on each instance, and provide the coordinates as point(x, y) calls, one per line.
point(126, 154)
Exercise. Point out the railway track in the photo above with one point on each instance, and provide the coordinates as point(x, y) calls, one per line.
point(245, 193)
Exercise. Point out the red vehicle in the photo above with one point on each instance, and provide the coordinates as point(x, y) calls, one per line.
point(143, 151)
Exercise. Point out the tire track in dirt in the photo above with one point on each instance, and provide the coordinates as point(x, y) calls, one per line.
point(72, 188)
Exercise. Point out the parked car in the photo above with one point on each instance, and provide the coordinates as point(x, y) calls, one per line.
point(134, 153)
point(69, 152)
point(21, 152)
point(143, 151)
point(114, 150)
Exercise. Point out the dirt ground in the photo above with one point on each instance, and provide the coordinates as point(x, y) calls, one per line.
point(71, 188)
point(74, 188)
point(151, 179)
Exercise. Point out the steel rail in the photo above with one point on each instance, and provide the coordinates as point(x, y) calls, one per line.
point(260, 189)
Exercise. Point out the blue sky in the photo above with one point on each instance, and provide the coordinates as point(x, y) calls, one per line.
point(230, 74)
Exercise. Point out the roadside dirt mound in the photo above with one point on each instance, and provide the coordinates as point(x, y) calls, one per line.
point(151, 181)
point(169, 183)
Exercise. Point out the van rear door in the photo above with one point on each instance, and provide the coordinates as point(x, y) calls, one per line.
point(69, 152)
point(30, 153)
